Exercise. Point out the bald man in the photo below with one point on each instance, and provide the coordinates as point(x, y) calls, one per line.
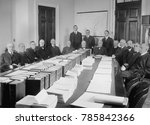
point(10, 59)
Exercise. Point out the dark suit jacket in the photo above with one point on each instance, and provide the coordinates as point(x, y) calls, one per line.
point(23, 59)
point(41, 53)
point(7, 59)
point(31, 54)
point(99, 51)
point(55, 51)
point(108, 44)
point(76, 40)
point(90, 42)
point(133, 59)
point(143, 65)
point(67, 50)
point(121, 56)
point(116, 51)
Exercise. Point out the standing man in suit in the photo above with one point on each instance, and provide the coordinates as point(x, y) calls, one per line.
point(10, 59)
point(75, 38)
point(90, 41)
point(41, 50)
point(108, 43)
point(55, 51)
point(31, 52)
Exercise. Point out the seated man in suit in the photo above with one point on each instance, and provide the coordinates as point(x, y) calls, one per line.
point(54, 49)
point(128, 55)
point(31, 52)
point(108, 43)
point(99, 50)
point(121, 56)
point(75, 38)
point(41, 50)
point(67, 49)
point(10, 59)
point(83, 44)
point(23, 57)
point(132, 57)
point(90, 41)
point(116, 48)
point(142, 65)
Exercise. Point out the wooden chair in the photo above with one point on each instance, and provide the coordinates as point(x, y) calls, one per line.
point(138, 95)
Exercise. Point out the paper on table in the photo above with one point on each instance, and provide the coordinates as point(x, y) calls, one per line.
point(63, 95)
point(106, 58)
point(20, 73)
point(110, 99)
point(104, 77)
point(87, 100)
point(41, 95)
point(4, 80)
point(43, 98)
point(99, 86)
point(103, 71)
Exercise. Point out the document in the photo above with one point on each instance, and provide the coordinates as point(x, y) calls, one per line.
point(43, 98)
point(87, 101)
point(110, 99)
point(103, 71)
point(99, 86)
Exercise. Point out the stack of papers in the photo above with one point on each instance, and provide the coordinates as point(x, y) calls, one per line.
point(5, 80)
point(41, 100)
point(77, 69)
point(39, 66)
point(88, 62)
point(87, 101)
point(20, 74)
point(63, 88)
point(102, 79)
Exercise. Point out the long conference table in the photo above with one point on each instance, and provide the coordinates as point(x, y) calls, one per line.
point(84, 79)
point(117, 86)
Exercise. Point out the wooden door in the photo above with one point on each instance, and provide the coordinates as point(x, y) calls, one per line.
point(128, 21)
point(46, 23)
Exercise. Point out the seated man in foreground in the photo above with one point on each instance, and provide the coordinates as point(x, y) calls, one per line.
point(142, 65)
point(10, 59)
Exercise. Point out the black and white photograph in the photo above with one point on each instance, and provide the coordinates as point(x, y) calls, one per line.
point(74, 54)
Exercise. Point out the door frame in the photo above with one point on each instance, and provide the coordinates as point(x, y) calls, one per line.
point(56, 18)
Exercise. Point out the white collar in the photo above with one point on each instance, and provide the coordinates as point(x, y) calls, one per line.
point(10, 52)
point(143, 53)
point(106, 37)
